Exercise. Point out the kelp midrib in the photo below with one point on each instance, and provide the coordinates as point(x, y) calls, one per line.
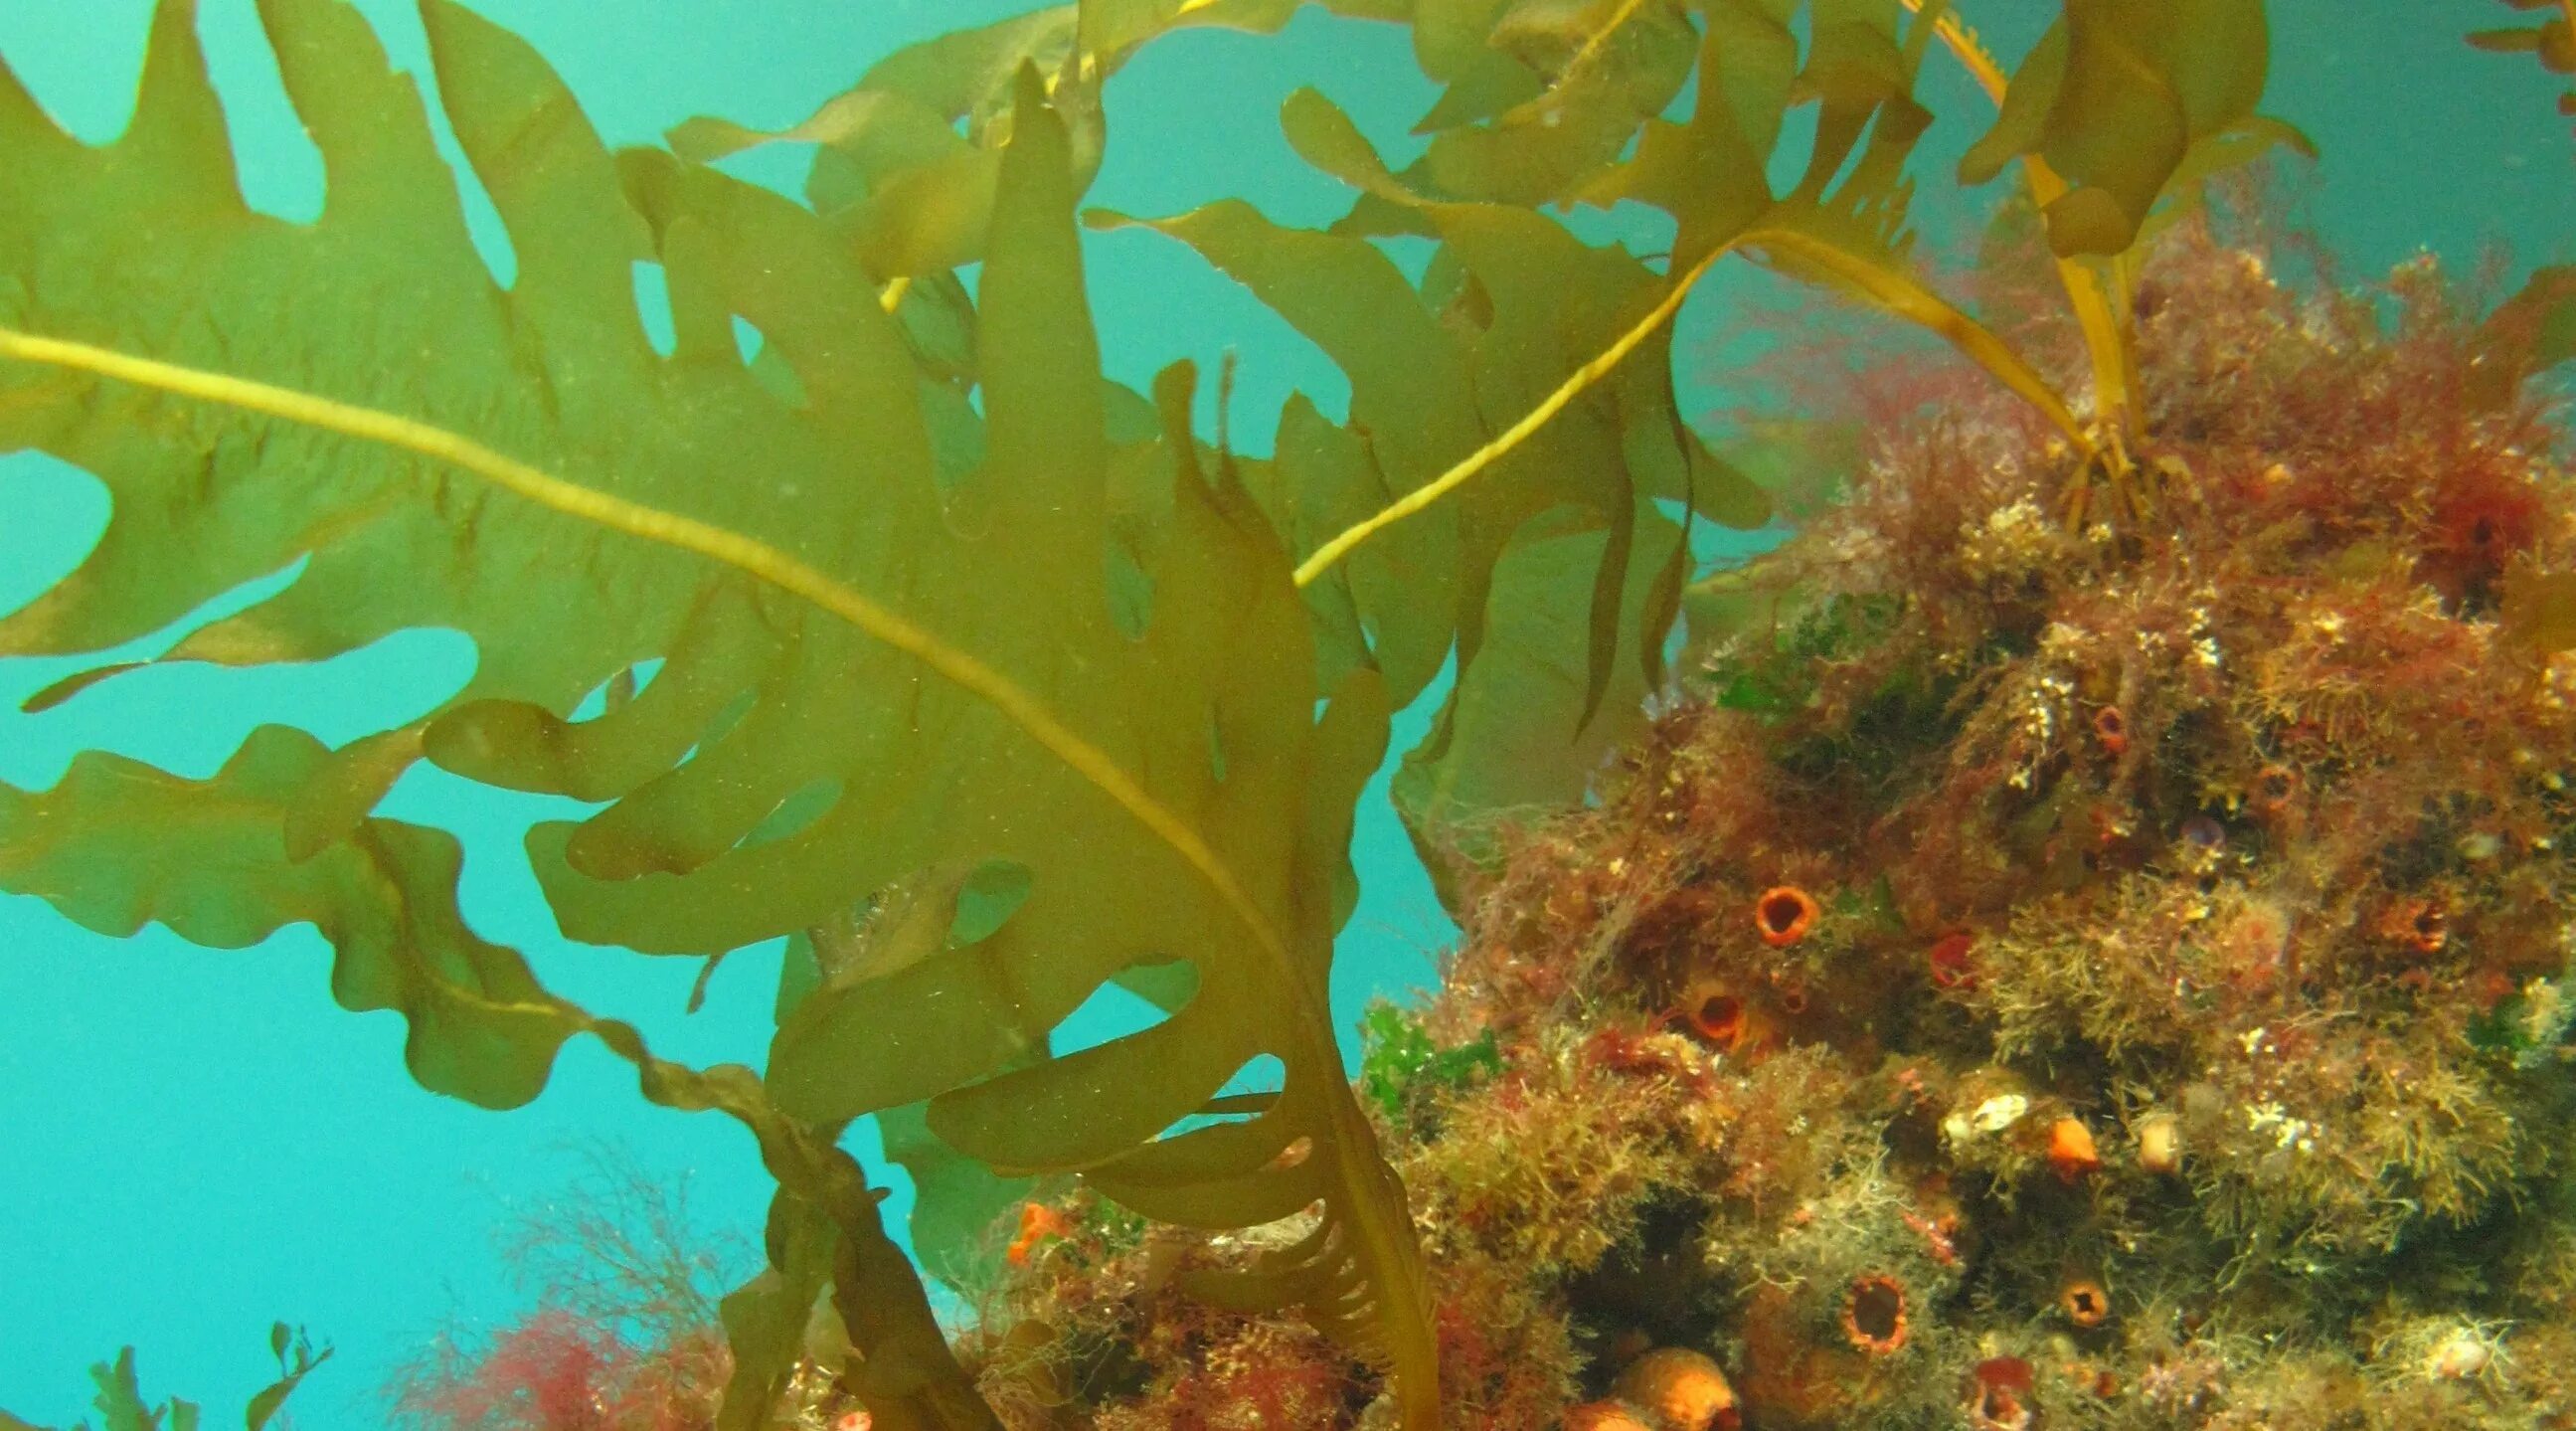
point(752, 557)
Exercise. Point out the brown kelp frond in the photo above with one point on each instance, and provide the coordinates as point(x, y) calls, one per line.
point(1963, 43)
point(1503, 420)
point(2527, 335)
point(848, 702)
point(2116, 96)
point(1555, 575)
point(1504, 423)
point(2117, 117)
point(907, 193)
point(2552, 41)
point(895, 176)
point(2100, 312)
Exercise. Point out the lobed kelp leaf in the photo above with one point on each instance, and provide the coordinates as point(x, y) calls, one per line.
point(928, 644)
point(1412, 407)
point(959, 1201)
point(2526, 335)
point(120, 1401)
point(118, 845)
point(1843, 221)
point(910, 193)
point(2116, 96)
point(896, 176)
point(1514, 731)
point(291, 1371)
point(1842, 224)
point(1482, 375)
point(765, 1318)
point(1599, 69)
point(1532, 371)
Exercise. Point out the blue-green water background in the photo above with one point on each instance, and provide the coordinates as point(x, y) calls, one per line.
point(196, 1142)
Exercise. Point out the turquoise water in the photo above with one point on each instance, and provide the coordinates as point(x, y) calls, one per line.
point(194, 1143)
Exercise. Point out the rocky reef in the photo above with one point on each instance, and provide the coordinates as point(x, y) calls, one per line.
point(2082, 947)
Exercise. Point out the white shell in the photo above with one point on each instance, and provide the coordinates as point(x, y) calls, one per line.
point(1999, 1112)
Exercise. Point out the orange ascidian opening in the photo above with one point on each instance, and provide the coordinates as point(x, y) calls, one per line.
point(2112, 729)
point(1783, 914)
point(2422, 925)
point(2084, 1302)
point(1713, 1013)
point(1874, 1314)
point(2273, 787)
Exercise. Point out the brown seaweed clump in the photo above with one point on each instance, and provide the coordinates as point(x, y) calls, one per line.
point(2175, 1028)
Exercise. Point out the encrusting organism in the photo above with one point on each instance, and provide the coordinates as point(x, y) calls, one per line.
point(1680, 1389)
point(2071, 1150)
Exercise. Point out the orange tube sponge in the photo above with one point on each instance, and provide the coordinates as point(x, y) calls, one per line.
point(1683, 1389)
point(1783, 914)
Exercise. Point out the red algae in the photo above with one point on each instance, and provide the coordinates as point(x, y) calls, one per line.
point(1999, 1396)
point(623, 1334)
point(1950, 961)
